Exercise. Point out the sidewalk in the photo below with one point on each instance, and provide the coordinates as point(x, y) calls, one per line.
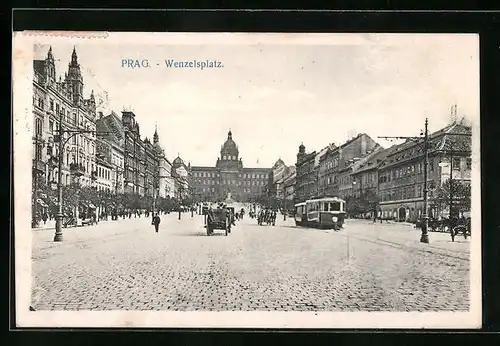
point(44, 238)
point(396, 234)
point(404, 234)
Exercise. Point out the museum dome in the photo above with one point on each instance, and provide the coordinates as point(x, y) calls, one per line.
point(230, 146)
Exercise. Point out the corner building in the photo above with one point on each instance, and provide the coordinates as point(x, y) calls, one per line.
point(229, 177)
point(58, 100)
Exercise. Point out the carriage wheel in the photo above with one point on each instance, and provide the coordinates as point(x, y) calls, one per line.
point(462, 229)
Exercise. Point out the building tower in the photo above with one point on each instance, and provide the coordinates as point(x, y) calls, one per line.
point(75, 80)
point(155, 136)
point(301, 153)
point(50, 68)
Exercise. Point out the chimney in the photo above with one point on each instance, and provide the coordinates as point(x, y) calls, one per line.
point(100, 115)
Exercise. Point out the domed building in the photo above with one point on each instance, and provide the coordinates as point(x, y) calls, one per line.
point(229, 177)
point(181, 175)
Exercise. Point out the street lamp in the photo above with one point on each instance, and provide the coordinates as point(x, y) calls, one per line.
point(58, 237)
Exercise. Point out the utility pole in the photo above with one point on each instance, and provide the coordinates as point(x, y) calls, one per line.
point(424, 238)
point(425, 235)
point(451, 185)
point(58, 237)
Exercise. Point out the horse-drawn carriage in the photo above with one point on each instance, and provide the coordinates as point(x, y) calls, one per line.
point(218, 218)
point(455, 226)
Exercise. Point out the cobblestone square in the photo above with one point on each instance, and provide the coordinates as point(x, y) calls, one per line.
point(124, 264)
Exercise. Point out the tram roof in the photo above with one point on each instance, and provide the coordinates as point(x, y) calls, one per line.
point(300, 204)
point(325, 199)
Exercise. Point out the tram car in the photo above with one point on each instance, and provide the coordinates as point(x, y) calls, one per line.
point(326, 213)
point(300, 214)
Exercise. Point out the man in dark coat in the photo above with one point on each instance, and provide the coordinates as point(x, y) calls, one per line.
point(156, 222)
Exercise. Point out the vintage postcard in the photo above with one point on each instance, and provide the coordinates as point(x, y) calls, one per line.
point(225, 180)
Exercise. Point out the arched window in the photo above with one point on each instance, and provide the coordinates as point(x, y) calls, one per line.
point(67, 179)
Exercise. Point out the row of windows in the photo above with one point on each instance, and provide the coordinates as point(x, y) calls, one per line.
point(244, 175)
point(406, 171)
point(404, 192)
point(414, 169)
point(229, 157)
point(103, 173)
point(103, 188)
point(332, 163)
point(230, 182)
point(58, 110)
point(117, 160)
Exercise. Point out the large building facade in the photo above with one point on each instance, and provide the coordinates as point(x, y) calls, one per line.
point(110, 144)
point(229, 177)
point(56, 100)
point(328, 172)
point(401, 173)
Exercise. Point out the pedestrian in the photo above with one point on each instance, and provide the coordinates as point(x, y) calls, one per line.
point(44, 218)
point(156, 222)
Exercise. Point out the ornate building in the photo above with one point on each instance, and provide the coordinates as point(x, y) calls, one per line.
point(229, 177)
point(165, 181)
point(62, 99)
point(181, 174)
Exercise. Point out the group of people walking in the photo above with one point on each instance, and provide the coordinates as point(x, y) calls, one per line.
point(267, 216)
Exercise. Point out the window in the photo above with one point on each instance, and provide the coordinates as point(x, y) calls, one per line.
point(334, 206)
point(38, 127)
point(51, 105)
point(456, 163)
point(469, 163)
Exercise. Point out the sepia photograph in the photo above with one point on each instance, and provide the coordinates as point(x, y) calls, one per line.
point(224, 180)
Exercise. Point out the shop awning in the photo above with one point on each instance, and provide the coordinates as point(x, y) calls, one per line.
point(42, 203)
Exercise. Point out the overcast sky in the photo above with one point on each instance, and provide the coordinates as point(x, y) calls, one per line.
point(275, 97)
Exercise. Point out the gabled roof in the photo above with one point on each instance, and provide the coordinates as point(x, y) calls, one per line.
point(372, 160)
point(440, 140)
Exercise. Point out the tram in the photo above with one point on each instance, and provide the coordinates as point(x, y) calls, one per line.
point(326, 212)
point(300, 214)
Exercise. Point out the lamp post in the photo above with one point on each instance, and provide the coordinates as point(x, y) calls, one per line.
point(424, 238)
point(58, 237)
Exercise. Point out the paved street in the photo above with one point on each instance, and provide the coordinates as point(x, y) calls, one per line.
point(369, 267)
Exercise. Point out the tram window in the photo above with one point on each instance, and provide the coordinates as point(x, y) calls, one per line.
point(335, 206)
point(325, 206)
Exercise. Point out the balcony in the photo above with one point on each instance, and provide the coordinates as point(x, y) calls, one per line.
point(77, 169)
point(38, 166)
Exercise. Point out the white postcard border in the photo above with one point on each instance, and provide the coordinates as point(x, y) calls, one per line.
point(22, 116)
